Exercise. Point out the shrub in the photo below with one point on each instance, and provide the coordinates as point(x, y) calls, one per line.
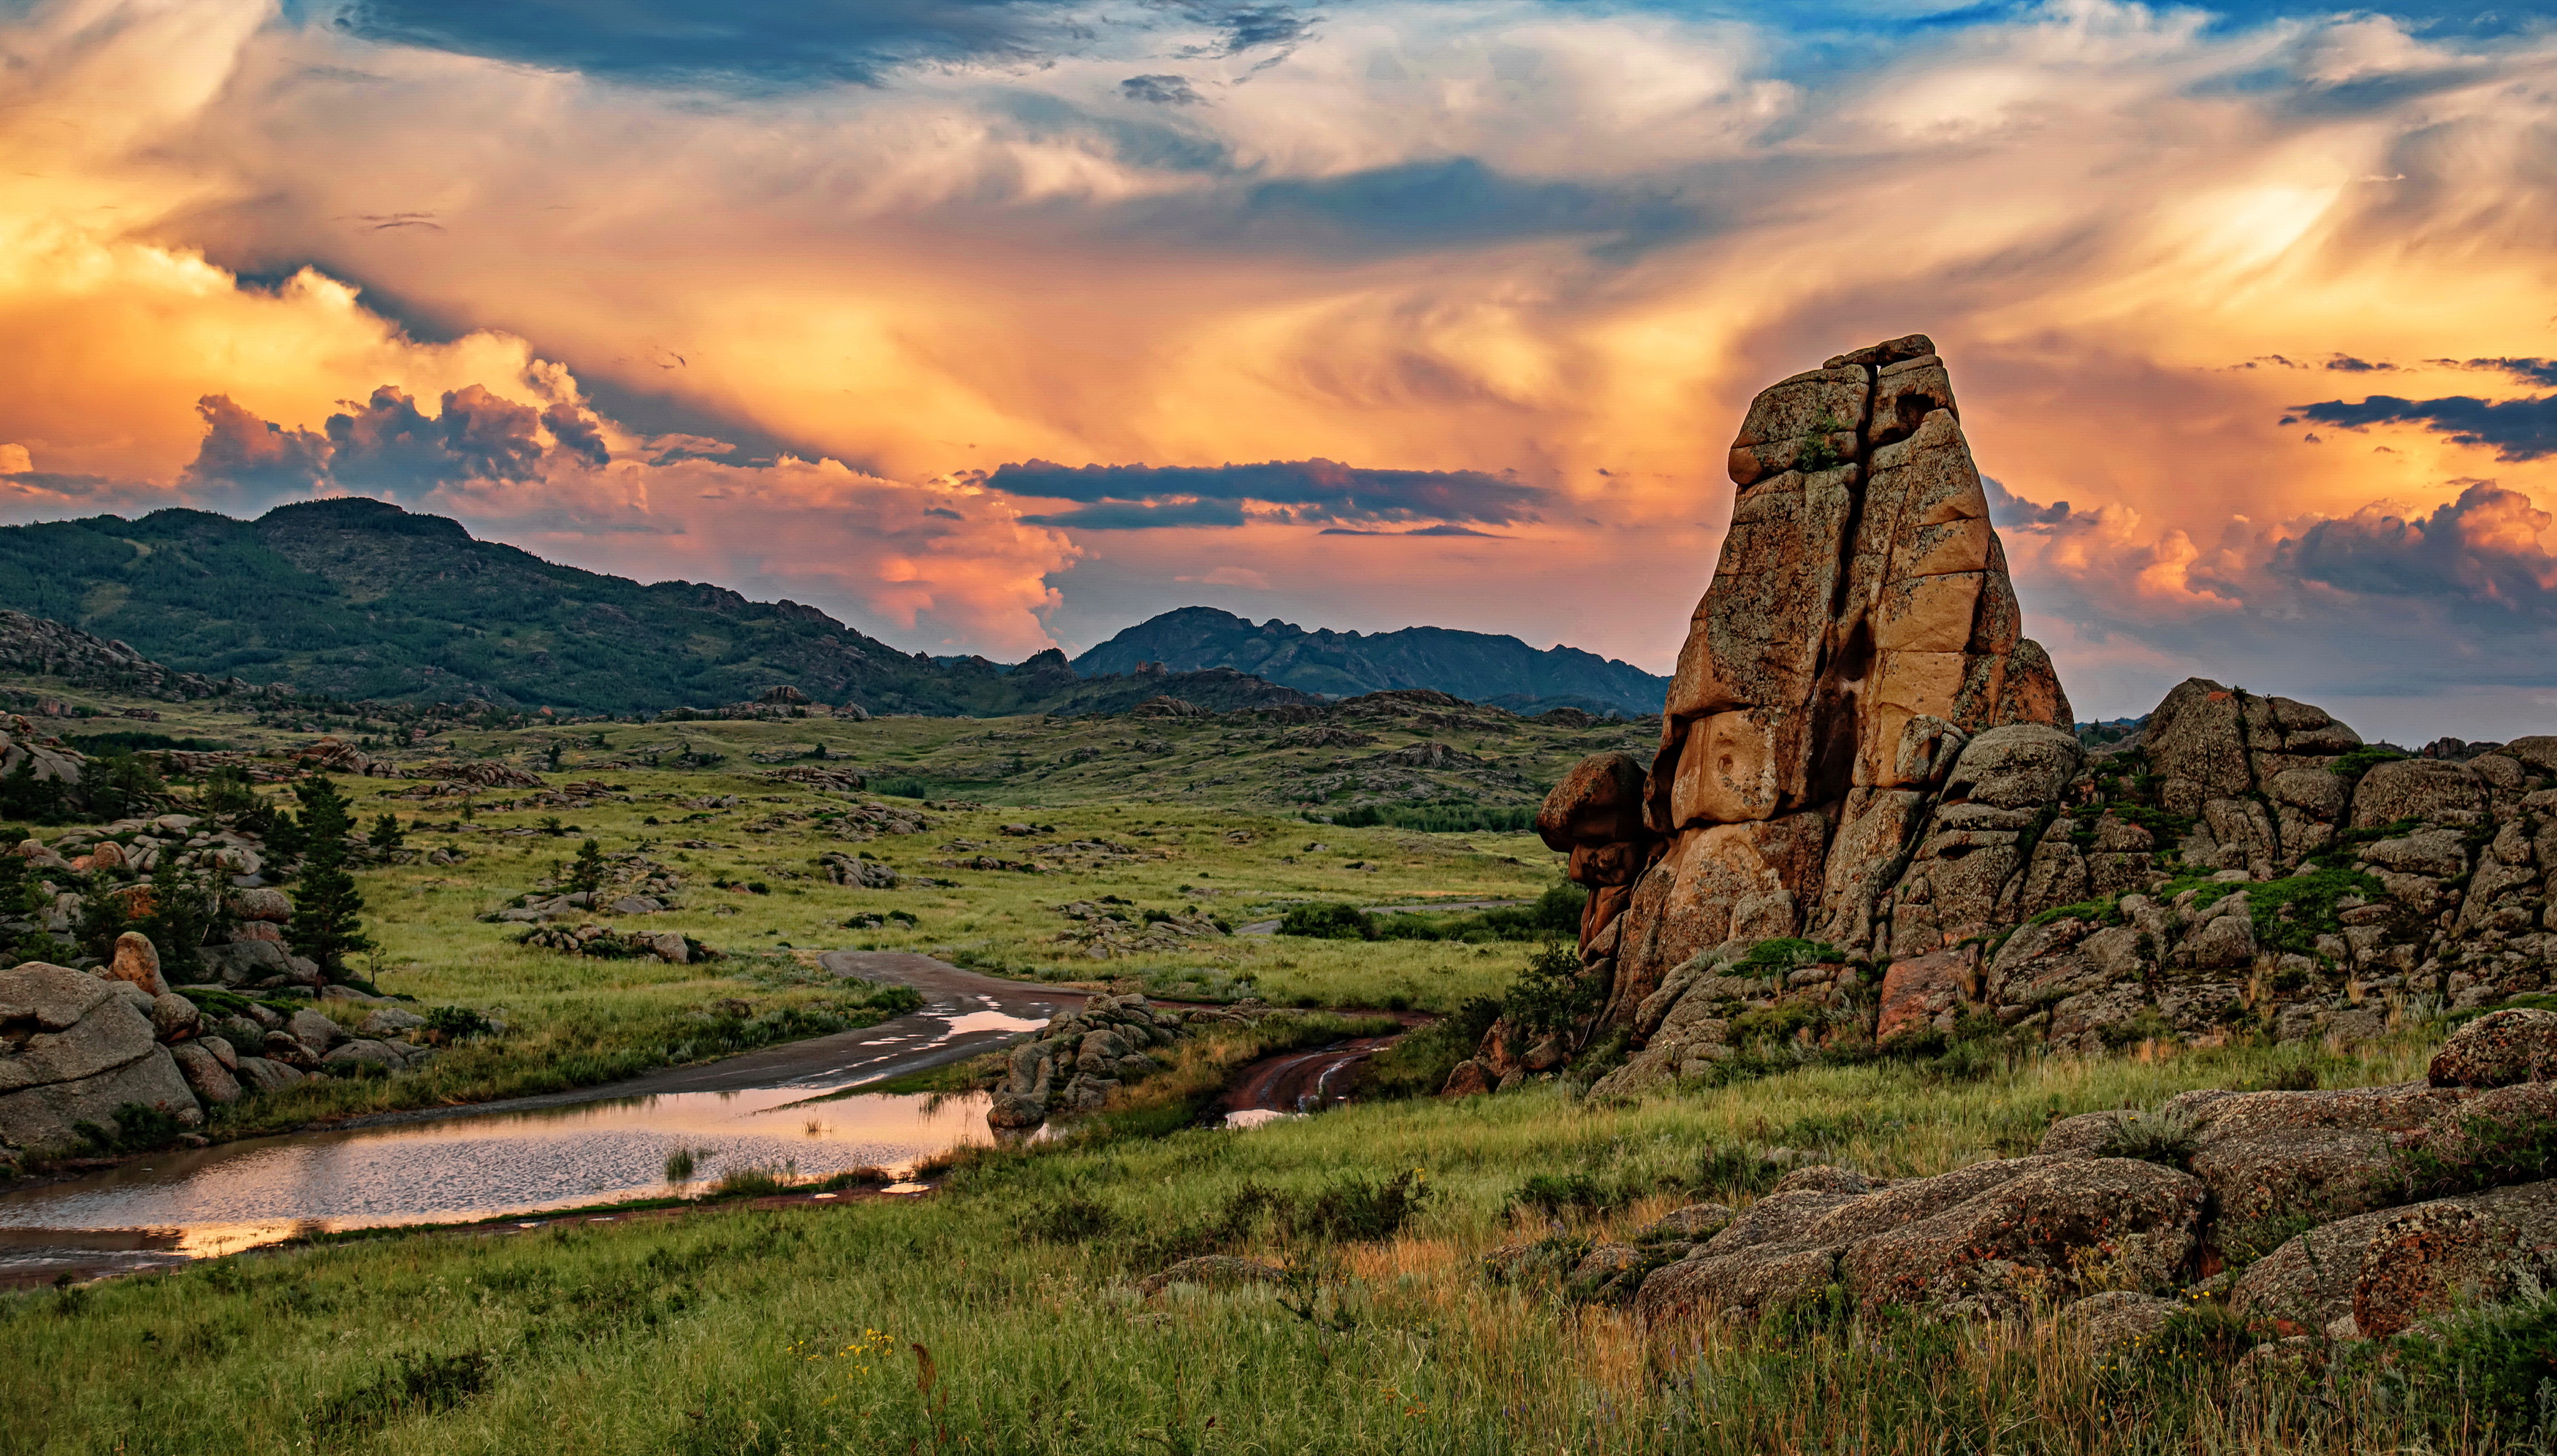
point(1551, 994)
point(2495, 1367)
point(1355, 1208)
point(137, 1128)
point(456, 1023)
point(1326, 920)
point(2152, 1138)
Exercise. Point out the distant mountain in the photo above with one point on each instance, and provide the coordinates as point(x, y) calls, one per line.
point(1502, 671)
point(358, 598)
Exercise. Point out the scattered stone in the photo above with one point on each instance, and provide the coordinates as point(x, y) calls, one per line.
point(1212, 1270)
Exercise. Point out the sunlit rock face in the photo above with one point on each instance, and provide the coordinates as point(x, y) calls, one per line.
point(1859, 630)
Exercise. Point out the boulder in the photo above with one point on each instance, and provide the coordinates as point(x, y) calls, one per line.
point(281, 1046)
point(1921, 992)
point(113, 1034)
point(315, 1030)
point(137, 961)
point(1696, 1222)
point(2498, 1049)
point(222, 1049)
point(174, 1018)
point(50, 998)
point(1982, 1240)
point(362, 1052)
point(72, 1049)
point(1470, 1078)
point(269, 905)
point(2041, 1230)
point(2422, 1260)
point(2118, 1320)
point(47, 1115)
point(392, 1022)
point(265, 1074)
point(206, 1075)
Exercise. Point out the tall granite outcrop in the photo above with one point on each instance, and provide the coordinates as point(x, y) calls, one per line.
point(1859, 628)
point(1867, 763)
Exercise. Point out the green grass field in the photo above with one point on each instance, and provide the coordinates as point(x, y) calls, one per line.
point(999, 1315)
point(1125, 814)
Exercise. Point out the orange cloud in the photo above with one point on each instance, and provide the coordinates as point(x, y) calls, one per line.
point(1526, 239)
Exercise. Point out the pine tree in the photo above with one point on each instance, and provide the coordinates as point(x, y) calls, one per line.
point(387, 833)
point(587, 872)
point(325, 908)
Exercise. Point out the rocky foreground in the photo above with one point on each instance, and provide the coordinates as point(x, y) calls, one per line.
point(2317, 1217)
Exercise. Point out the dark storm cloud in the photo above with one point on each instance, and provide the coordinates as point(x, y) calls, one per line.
point(2481, 551)
point(242, 451)
point(388, 444)
point(1243, 28)
point(2015, 513)
point(1143, 515)
point(2517, 430)
point(1128, 497)
point(1162, 90)
point(746, 43)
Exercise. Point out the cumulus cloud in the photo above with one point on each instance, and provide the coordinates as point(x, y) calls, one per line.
point(921, 238)
point(2481, 551)
point(2015, 513)
point(387, 444)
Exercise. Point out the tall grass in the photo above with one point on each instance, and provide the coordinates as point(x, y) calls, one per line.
point(796, 1332)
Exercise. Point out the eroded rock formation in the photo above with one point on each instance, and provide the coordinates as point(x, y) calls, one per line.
point(1860, 628)
point(1866, 765)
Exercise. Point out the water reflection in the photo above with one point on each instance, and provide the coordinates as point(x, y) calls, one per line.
point(219, 1200)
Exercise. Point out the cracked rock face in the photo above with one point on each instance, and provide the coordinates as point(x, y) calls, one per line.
point(1861, 751)
point(1859, 637)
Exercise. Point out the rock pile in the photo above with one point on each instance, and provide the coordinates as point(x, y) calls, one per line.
point(604, 942)
point(1109, 931)
point(81, 1049)
point(1085, 1055)
point(857, 872)
point(2412, 1196)
point(22, 742)
point(1865, 755)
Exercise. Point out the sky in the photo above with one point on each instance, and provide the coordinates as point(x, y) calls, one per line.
point(995, 325)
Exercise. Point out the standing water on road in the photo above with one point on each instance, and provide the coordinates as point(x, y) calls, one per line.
point(762, 1109)
point(238, 1194)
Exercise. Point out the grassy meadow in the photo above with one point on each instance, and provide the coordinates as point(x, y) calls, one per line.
point(1000, 1314)
point(1168, 817)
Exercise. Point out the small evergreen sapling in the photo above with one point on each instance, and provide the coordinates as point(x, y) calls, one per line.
point(587, 872)
point(327, 925)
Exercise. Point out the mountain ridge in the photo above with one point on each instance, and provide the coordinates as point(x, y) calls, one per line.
point(356, 598)
point(1481, 667)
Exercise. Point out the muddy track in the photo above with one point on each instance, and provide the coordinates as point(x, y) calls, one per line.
point(1302, 1081)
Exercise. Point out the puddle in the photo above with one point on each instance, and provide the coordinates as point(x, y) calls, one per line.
point(1251, 1117)
point(219, 1200)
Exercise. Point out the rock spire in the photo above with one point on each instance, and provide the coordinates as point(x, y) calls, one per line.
point(1860, 627)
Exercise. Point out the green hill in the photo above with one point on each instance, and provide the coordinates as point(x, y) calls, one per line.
point(359, 600)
